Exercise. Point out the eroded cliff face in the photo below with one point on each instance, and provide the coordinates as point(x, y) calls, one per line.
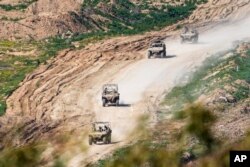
point(45, 18)
point(220, 10)
point(39, 20)
point(46, 102)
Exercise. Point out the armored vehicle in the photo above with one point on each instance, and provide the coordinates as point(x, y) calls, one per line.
point(101, 132)
point(110, 95)
point(157, 49)
point(188, 35)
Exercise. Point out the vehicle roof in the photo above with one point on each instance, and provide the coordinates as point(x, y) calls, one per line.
point(110, 85)
point(101, 122)
point(158, 41)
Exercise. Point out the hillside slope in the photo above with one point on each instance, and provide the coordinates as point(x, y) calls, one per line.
point(63, 95)
point(37, 19)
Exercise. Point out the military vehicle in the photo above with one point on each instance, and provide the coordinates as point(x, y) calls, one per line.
point(188, 35)
point(157, 49)
point(101, 132)
point(110, 95)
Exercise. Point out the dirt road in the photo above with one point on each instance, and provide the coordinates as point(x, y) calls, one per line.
point(143, 82)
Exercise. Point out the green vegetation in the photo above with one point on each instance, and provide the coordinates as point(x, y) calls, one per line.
point(199, 124)
point(20, 6)
point(27, 156)
point(221, 157)
point(199, 120)
point(215, 73)
point(128, 18)
point(13, 68)
point(139, 155)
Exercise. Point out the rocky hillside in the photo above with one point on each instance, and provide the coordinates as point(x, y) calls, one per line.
point(28, 19)
point(41, 107)
point(39, 19)
point(35, 104)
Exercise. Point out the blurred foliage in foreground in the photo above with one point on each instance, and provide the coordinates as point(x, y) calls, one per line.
point(144, 153)
point(147, 153)
point(28, 156)
point(54, 153)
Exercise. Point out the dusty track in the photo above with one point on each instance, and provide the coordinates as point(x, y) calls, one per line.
point(144, 81)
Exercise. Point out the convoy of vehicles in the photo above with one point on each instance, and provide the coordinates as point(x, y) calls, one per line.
point(101, 131)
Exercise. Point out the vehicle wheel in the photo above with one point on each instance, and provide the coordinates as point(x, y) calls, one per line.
point(109, 141)
point(195, 39)
point(162, 54)
point(165, 54)
point(90, 140)
point(149, 55)
point(105, 140)
point(104, 102)
point(182, 40)
point(117, 102)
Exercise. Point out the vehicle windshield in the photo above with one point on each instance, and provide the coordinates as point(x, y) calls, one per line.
point(156, 45)
point(110, 88)
point(100, 127)
point(193, 31)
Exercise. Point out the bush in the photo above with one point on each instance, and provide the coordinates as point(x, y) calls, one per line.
point(20, 6)
point(126, 17)
point(2, 108)
point(201, 84)
point(28, 156)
